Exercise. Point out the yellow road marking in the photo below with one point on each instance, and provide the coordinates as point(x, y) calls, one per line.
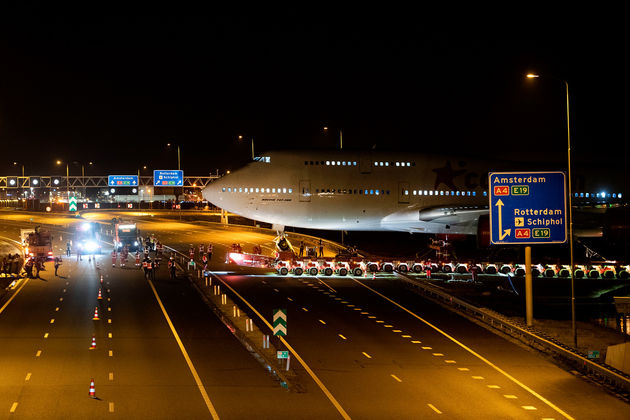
point(322, 322)
point(39, 353)
point(416, 341)
point(529, 407)
point(60, 299)
point(52, 321)
point(342, 337)
point(305, 310)
point(13, 407)
point(396, 377)
point(111, 353)
point(438, 354)
point(319, 383)
point(494, 387)
point(28, 377)
point(289, 299)
point(12, 297)
point(46, 335)
point(109, 335)
point(434, 408)
point(427, 348)
point(477, 377)
point(463, 369)
point(511, 397)
point(471, 351)
point(396, 331)
point(111, 376)
point(406, 336)
point(200, 386)
point(367, 355)
point(57, 309)
point(450, 361)
point(111, 407)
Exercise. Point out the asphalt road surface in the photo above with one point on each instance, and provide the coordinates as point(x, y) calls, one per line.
point(376, 349)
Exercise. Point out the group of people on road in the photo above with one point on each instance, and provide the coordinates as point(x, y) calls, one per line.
point(11, 264)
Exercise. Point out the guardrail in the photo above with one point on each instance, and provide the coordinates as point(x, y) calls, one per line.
point(526, 335)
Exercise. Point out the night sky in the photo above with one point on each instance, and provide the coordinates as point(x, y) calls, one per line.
point(114, 89)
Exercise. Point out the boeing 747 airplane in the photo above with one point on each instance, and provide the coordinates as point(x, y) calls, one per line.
point(371, 191)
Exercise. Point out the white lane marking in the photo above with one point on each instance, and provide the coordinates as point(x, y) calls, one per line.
point(200, 385)
point(319, 383)
point(474, 353)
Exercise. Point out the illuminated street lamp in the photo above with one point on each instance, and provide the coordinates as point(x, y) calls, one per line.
point(17, 163)
point(240, 137)
point(573, 324)
point(67, 179)
point(340, 137)
point(178, 156)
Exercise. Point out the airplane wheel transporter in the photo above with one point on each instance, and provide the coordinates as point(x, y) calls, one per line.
point(298, 271)
point(343, 271)
point(328, 271)
point(312, 271)
point(357, 272)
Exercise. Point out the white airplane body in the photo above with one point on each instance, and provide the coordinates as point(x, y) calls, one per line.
point(338, 190)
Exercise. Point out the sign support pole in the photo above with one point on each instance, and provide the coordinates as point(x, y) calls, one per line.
point(529, 303)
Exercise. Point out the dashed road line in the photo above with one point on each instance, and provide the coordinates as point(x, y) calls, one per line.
point(396, 377)
point(432, 407)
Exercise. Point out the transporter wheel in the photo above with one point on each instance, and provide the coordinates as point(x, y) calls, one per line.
point(622, 274)
point(373, 268)
point(402, 268)
point(579, 273)
point(462, 269)
point(328, 271)
point(519, 272)
point(549, 273)
point(447, 268)
point(312, 271)
point(563, 273)
point(505, 269)
point(388, 268)
point(343, 271)
point(357, 272)
point(491, 269)
point(298, 271)
point(417, 268)
point(284, 271)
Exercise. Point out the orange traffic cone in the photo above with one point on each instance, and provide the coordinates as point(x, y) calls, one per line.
point(96, 318)
point(92, 389)
point(100, 296)
point(101, 279)
point(374, 276)
point(93, 346)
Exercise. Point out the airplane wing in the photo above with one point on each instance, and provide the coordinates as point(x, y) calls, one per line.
point(443, 219)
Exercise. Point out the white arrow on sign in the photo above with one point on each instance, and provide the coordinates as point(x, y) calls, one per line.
point(506, 232)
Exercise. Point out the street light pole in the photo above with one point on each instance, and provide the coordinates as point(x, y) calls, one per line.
point(570, 203)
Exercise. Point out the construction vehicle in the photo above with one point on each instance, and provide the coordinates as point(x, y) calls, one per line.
point(38, 244)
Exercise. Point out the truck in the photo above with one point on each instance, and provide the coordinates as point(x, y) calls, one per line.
point(127, 235)
point(38, 244)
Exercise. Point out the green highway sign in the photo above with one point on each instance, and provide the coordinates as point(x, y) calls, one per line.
point(72, 204)
point(280, 322)
point(283, 354)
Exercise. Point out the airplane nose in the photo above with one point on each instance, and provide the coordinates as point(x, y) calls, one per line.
point(211, 192)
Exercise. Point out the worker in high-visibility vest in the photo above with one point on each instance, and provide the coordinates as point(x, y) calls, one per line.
point(209, 252)
point(146, 267)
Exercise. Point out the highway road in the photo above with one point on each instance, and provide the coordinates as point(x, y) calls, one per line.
point(378, 350)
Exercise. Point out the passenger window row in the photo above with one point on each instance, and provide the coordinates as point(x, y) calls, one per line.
point(258, 190)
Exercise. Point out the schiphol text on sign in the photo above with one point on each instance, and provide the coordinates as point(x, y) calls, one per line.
point(168, 178)
point(528, 207)
point(122, 180)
